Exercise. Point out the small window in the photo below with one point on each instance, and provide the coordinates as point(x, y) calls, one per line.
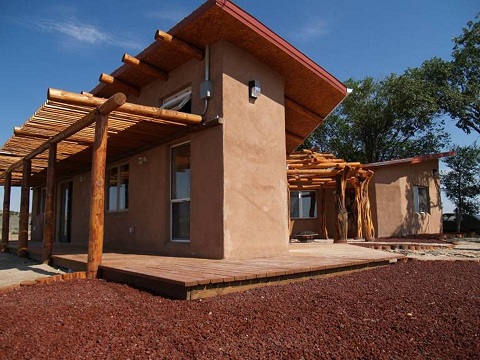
point(421, 199)
point(117, 183)
point(303, 204)
point(181, 101)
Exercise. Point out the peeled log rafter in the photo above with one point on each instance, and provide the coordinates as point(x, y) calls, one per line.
point(129, 108)
point(126, 87)
point(144, 67)
point(180, 44)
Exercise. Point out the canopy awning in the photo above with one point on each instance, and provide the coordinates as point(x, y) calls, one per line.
point(131, 129)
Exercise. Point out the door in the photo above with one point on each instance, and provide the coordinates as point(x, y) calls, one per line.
point(65, 218)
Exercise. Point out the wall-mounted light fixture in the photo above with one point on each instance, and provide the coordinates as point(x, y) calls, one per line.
point(83, 178)
point(254, 89)
point(142, 160)
point(435, 172)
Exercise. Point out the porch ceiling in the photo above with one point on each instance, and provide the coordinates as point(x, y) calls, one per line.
point(127, 133)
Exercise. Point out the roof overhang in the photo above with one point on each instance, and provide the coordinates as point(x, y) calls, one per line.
point(409, 161)
point(309, 88)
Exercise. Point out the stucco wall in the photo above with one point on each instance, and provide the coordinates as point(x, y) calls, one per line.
point(392, 199)
point(255, 188)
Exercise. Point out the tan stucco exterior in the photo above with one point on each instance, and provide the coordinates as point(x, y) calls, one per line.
point(391, 197)
point(236, 211)
point(392, 202)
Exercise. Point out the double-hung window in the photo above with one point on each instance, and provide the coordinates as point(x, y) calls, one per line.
point(421, 199)
point(180, 192)
point(117, 188)
point(303, 204)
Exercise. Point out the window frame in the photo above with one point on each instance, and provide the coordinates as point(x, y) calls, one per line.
point(117, 208)
point(178, 100)
point(177, 200)
point(417, 208)
point(300, 205)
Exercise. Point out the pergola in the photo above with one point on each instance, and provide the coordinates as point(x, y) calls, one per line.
point(309, 170)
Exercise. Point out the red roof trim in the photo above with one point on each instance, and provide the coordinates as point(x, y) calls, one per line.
point(412, 160)
point(275, 39)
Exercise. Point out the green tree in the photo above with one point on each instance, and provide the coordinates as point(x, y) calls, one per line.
point(462, 182)
point(456, 83)
point(382, 119)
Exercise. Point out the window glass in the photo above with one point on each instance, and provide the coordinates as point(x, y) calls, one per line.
point(117, 188)
point(181, 220)
point(294, 205)
point(421, 199)
point(180, 192)
point(303, 204)
point(123, 187)
point(181, 172)
point(112, 178)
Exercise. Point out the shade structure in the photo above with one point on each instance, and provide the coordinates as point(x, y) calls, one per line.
point(128, 133)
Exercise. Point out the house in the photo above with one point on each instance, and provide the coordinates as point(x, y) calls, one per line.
point(192, 162)
point(403, 199)
point(405, 196)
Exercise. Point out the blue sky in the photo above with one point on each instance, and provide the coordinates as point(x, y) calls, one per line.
point(67, 44)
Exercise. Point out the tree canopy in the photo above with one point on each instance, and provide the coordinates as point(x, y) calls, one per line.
point(382, 119)
point(456, 83)
point(462, 182)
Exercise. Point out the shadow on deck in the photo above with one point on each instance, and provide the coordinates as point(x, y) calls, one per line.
point(193, 278)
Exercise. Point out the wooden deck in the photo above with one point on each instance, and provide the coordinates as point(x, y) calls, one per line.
point(191, 278)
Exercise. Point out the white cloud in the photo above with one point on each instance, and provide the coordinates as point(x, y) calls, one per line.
point(170, 15)
point(310, 30)
point(72, 29)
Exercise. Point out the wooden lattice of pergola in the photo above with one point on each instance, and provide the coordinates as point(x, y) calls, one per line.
point(309, 170)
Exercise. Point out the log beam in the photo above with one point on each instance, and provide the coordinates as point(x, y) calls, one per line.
point(49, 219)
point(105, 107)
point(97, 201)
point(126, 87)
point(24, 209)
point(144, 67)
point(292, 104)
point(134, 109)
point(179, 44)
point(17, 131)
point(7, 187)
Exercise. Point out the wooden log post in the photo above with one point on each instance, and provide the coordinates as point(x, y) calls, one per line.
point(24, 210)
point(323, 214)
point(356, 182)
point(367, 222)
point(7, 188)
point(341, 223)
point(49, 219)
point(97, 202)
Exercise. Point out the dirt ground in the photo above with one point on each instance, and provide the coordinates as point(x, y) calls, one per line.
point(409, 310)
point(463, 249)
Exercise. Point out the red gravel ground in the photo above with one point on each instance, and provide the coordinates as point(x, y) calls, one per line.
point(412, 310)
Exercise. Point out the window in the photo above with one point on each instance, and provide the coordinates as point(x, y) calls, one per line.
point(303, 204)
point(181, 101)
point(180, 192)
point(117, 183)
point(421, 199)
point(42, 199)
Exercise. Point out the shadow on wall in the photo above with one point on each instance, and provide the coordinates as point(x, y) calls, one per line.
point(419, 222)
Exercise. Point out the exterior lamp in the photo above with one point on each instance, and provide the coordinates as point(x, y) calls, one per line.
point(254, 89)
